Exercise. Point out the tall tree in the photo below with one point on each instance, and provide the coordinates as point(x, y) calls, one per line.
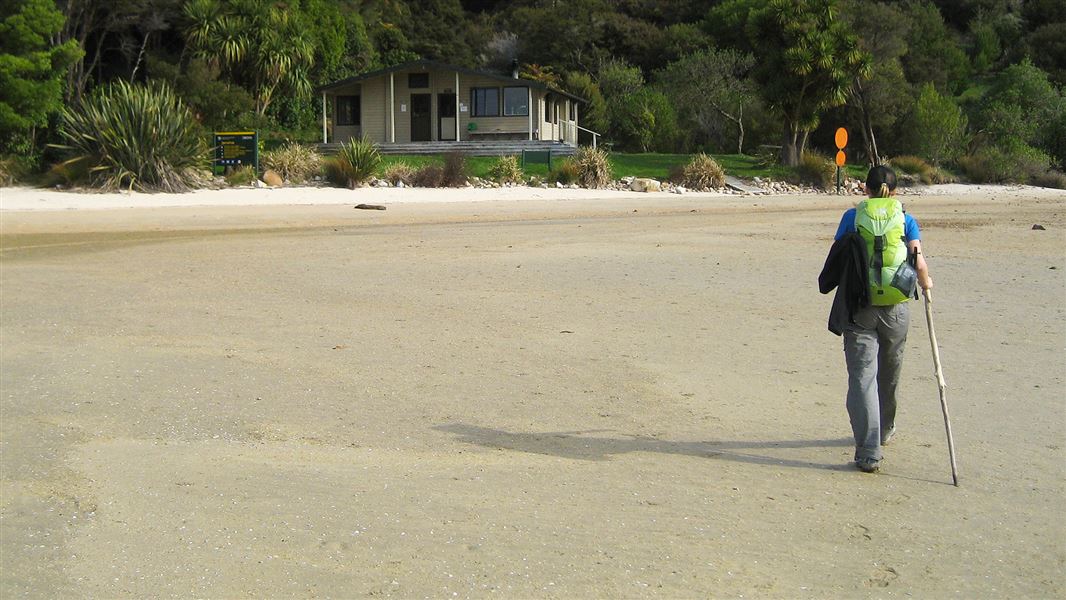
point(256, 42)
point(880, 100)
point(709, 86)
point(806, 61)
point(31, 70)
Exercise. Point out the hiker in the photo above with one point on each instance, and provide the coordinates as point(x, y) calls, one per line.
point(875, 262)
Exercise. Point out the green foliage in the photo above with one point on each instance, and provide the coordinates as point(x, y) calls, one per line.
point(594, 169)
point(817, 170)
point(398, 172)
point(1050, 179)
point(31, 71)
point(1018, 163)
point(244, 175)
point(938, 126)
point(294, 162)
point(702, 173)
point(1047, 47)
point(565, 172)
point(429, 176)
point(214, 102)
point(934, 53)
point(710, 90)
point(456, 172)
point(355, 163)
point(14, 169)
point(593, 114)
point(506, 170)
point(137, 136)
point(806, 60)
point(262, 45)
point(913, 165)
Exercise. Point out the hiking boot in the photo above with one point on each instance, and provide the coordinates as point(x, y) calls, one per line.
point(887, 435)
point(868, 465)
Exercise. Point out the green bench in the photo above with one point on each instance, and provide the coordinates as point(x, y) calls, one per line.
point(543, 157)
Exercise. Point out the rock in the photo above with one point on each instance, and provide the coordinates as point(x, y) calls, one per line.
point(679, 189)
point(559, 184)
point(382, 183)
point(1039, 227)
point(369, 207)
point(272, 178)
point(401, 184)
point(643, 184)
point(259, 184)
point(574, 186)
point(626, 180)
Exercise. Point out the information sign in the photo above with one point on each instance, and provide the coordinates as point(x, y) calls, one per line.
point(237, 148)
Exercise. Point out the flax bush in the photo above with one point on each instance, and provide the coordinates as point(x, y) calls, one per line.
point(355, 163)
point(135, 136)
point(456, 171)
point(566, 172)
point(294, 162)
point(506, 170)
point(702, 173)
point(399, 172)
point(817, 170)
point(594, 170)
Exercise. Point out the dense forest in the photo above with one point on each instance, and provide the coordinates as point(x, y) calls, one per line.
point(971, 85)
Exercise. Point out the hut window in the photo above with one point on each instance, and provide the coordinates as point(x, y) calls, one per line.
point(515, 101)
point(348, 110)
point(485, 102)
point(418, 80)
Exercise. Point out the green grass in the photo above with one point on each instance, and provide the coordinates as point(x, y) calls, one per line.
point(656, 166)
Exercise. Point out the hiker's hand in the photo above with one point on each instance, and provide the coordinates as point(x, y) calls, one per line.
point(925, 281)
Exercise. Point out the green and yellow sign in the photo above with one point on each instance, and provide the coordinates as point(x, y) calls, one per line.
point(237, 148)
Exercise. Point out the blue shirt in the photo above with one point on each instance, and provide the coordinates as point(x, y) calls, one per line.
point(847, 225)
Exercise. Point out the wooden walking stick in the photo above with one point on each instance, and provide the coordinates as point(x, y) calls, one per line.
point(940, 382)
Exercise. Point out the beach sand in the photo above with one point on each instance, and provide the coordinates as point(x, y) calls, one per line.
point(577, 395)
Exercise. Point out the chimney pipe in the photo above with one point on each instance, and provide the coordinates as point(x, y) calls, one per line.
point(514, 68)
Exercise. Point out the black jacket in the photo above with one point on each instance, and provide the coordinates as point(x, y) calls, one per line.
point(846, 269)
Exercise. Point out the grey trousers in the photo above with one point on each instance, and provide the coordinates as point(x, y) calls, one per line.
point(873, 349)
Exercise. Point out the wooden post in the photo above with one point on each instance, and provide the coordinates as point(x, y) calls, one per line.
point(392, 107)
point(324, 140)
point(529, 107)
point(457, 106)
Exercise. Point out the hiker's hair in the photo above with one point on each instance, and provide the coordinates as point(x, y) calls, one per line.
point(880, 182)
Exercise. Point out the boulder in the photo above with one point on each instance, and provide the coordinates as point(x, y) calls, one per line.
point(643, 184)
point(272, 178)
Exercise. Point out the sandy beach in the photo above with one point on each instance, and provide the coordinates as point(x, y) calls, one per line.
point(514, 393)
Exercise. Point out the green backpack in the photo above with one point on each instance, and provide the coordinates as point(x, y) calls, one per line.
point(880, 221)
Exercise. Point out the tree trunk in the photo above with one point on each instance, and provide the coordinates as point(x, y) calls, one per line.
point(803, 142)
point(789, 153)
point(740, 126)
point(140, 57)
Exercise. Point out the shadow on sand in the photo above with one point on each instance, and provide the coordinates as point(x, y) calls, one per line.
point(580, 445)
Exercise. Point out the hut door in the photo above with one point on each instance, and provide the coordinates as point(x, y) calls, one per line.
point(445, 116)
point(421, 118)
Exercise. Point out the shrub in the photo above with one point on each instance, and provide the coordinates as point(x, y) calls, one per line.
point(594, 170)
point(702, 173)
point(994, 164)
point(397, 172)
point(429, 176)
point(294, 162)
point(1050, 179)
point(939, 126)
point(506, 170)
point(356, 162)
point(456, 173)
point(136, 136)
point(913, 165)
point(817, 170)
point(566, 172)
point(13, 169)
point(242, 176)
